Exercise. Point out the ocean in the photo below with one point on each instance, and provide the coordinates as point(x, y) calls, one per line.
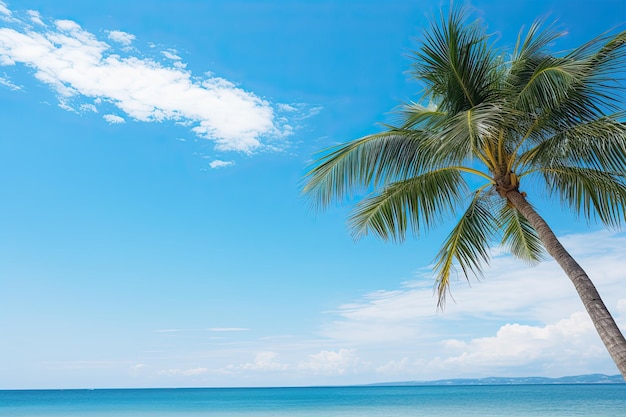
point(597, 400)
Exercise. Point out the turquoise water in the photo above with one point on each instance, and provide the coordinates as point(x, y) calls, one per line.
point(422, 401)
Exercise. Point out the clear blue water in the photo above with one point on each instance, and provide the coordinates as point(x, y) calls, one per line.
point(423, 401)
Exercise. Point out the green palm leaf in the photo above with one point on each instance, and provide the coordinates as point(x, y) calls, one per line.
point(535, 43)
point(465, 135)
point(538, 117)
point(550, 84)
point(374, 159)
point(456, 64)
point(598, 144)
point(416, 203)
point(519, 237)
point(588, 191)
point(468, 245)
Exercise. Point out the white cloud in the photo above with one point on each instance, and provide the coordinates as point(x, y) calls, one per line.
point(121, 37)
point(70, 26)
point(9, 84)
point(89, 107)
point(331, 362)
point(398, 366)
point(171, 55)
point(263, 361)
point(568, 342)
point(510, 290)
point(113, 119)
point(4, 10)
point(517, 319)
point(35, 17)
point(220, 164)
point(286, 107)
point(77, 65)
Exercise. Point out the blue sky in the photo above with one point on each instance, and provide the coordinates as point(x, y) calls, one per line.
point(153, 233)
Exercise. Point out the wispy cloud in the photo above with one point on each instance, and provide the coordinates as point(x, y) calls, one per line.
point(220, 164)
point(78, 67)
point(35, 17)
point(510, 290)
point(329, 362)
point(171, 55)
point(518, 321)
point(263, 361)
point(5, 82)
point(114, 119)
point(516, 315)
point(4, 9)
point(121, 37)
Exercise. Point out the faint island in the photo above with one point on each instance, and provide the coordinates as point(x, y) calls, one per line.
point(535, 380)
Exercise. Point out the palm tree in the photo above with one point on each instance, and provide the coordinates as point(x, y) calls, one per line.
point(494, 121)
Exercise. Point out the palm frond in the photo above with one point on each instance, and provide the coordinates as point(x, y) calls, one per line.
point(604, 56)
point(598, 144)
point(538, 116)
point(590, 192)
point(519, 237)
point(528, 54)
point(465, 135)
point(455, 62)
point(536, 42)
point(549, 85)
point(416, 203)
point(468, 245)
point(414, 115)
point(596, 90)
point(341, 171)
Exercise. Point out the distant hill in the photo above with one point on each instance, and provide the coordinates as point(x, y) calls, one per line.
point(579, 379)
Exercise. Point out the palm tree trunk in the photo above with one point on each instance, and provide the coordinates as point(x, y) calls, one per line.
point(600, 316)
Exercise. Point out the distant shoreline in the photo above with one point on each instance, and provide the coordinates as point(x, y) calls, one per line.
point(566, 380)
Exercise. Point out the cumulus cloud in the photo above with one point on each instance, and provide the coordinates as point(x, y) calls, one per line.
point(35, 17)
point(263, 361)
point(4, 9)
point(325, 362)
point(114, 119)
point(331, 362)
point(88, 107)
point(121, 37)
point(220, 164)
point(568, 342)
point(78, 66)
point(510, 290)
point(171, 55)
point(516, 315)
